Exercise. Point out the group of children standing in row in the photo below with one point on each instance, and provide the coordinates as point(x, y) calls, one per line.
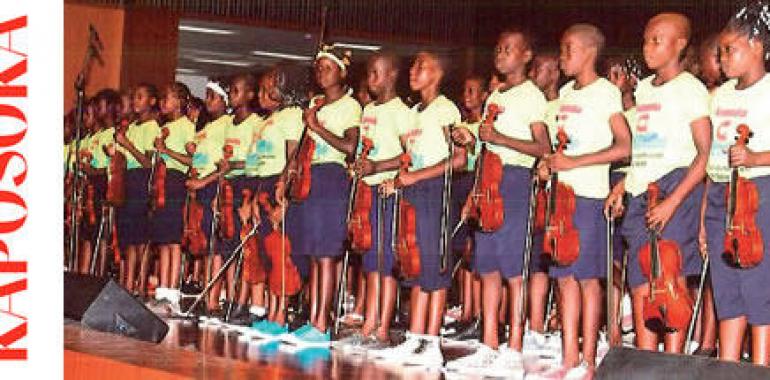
point(675, 131)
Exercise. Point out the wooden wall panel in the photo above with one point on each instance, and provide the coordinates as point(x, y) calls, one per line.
point(149, 47)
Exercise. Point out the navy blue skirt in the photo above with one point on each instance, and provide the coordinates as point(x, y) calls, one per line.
point(462, 184)
point(682, 228)
point(739, 292)
point(503, 250)
point(316, 226)
point(370, 257)
point(205, 196)
point(132, 218)
point(426, 197)
point(168, 222)
point(589, 221)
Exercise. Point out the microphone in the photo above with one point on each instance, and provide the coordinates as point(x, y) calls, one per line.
point(94, 36)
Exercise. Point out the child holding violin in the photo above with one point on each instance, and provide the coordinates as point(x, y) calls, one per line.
point(671, 142)
point(380, 123)
point(318, 225)
point(512, 130)
point(281, 90)
point(739, 112)
point(168, 220)
point(422, 184)
point(136, 143)
point(86, 207)
point(206, 151)
point(591, 121)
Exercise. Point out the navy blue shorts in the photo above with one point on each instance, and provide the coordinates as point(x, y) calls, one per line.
point(739, 292)
point(682, 228)
point(589, 221)
point(503, 250)
point(168, 222)
point(132, 218)
point(426, 197)
point(370, 256)
point(462, 184)
point(317, 226)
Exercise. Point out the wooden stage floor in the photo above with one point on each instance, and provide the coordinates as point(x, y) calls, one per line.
point(190, 351)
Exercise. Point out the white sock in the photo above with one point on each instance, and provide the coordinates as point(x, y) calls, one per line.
point(160, 293)
point(259, 311)
point(173, 295)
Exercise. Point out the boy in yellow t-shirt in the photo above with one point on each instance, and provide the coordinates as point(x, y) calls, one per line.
point(591, 115)
point(670, 148)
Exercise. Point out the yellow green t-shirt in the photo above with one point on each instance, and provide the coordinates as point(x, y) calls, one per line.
point(521, 106)
point(730, 108)
point(662, 136)
point(426, 142)
point(337, 117)
point(240, 137)
point(180, 132)
point(143, 137)
point(585, 116)
point(209, 142)
point(380, 123)
point(267, 156)
point(100, 140)
point(551, 112)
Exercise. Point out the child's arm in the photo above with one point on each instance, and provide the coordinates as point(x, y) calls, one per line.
point(613, 205)
point(345, 144)
point(459, 161)
point(184, 159)
point(288, 170)
point(701, 135)
point(120, 138)
point(619, 150)
point(537, 147)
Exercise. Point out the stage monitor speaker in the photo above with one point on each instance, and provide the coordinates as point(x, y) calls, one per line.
point(103, 305)
point(631, 364)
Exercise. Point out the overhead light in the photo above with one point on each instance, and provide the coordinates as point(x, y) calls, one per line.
point(198, 29)
point(271, 54)
point(357, 46)
point(184, 70)
point(223, 62)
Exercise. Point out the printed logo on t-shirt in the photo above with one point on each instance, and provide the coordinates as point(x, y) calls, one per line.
point(264, 147)
point(200, 160)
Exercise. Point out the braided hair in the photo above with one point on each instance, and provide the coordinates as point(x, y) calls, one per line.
point(753, 20)
point(293, 84)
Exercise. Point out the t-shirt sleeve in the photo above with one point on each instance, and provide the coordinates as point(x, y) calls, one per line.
point(697, 100)
point(539, 107)
point(291, 125)
point(151, 132)
point(407, 123)
point(613, 101)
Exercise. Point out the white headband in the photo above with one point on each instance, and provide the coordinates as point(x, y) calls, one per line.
point(217, 88)
point(333, 58)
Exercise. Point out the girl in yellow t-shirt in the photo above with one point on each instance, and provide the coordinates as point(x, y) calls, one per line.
point(317, 224)
point(87, 185)
point(168, 221)
point(136, 143)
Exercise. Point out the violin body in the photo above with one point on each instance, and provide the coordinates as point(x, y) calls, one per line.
point(486, 202)
point(405, 246)
point(225, 203)
point(253, 268)
point(194, 238)
point(159, 179)
point(668, 303)
point(359, 222)
point(301, 181)
point(116, 187)
point(89, 205)
point(283, 279)
point(541, 200)
point(562, 241)
point(743, 245)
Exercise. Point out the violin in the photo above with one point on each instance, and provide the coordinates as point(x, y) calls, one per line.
point(484, 201)
point(193, 237)
point(541, 200)
point(743, 240)
point(253, 272)
point(225, 202)
point(562, 242)
point(359, 222)
point(116, 187)
point(284, 275)
point(158, 195)
point(405, 248)
point(299, 183)
point(668, 303)
point(89, 201)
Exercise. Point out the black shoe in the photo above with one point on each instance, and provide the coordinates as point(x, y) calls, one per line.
point(240, 316)
point(454, 327)
point(471, 332)
point(191, 288)
point(708, 352)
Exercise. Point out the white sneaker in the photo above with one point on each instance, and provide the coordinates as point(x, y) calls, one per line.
point(508, 363)
point(399, 353)
point(578, 373)
point(533, 339)
point(478, 361)
point(427, 354)
point(160, 293)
